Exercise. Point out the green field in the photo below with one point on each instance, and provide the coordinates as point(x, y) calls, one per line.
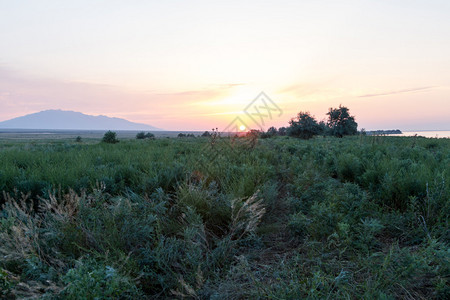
point(361, 217)
point(27, 135)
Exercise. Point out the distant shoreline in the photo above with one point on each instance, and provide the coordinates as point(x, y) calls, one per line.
point(23, 134)
point(378, 132)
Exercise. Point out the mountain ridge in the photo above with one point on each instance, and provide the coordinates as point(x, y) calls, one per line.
point(57, 119)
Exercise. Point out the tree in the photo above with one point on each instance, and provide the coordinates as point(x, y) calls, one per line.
point(304, 126)
point(110, 137)
point(265, 135)
point(282, 131)
point(272, 131)
point(324, 130)
point(340, 122)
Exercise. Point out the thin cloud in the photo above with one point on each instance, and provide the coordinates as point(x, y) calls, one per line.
point(300, 90)
point(194, 93)
point(210, 90)
point(398, 92)
point(229, 85)
point(222, 113)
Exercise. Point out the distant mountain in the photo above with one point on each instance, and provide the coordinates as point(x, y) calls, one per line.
point(71, 120)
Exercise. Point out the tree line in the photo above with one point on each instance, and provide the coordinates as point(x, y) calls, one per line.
point(306, 126)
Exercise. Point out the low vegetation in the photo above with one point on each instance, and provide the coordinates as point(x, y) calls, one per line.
point(359, 217)
point(188, 135)
point(142, 135)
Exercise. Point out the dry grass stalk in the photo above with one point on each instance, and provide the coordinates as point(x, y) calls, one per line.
point(246, 217)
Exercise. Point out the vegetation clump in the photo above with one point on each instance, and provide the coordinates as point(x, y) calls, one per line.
point(340, 122)
point(305, 126)
point(110, 137)
point(183, 135)
point(142, 135)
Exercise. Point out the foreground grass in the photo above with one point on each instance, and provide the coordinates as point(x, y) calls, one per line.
point(359, 217)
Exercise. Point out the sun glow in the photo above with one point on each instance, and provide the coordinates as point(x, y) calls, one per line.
point(242, 127)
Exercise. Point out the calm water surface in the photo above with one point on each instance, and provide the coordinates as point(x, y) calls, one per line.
point(428, 134)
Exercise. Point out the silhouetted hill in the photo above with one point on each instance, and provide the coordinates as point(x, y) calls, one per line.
point(71, 120)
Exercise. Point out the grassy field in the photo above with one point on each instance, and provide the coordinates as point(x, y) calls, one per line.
point(27, 135)
point(279, 218)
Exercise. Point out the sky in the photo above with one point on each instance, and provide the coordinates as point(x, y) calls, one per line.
point(196, 65)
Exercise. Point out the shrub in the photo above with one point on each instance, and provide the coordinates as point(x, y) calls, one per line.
point(265, 135)
point(215, 209)
point(369, 228)
point(6, 284)
point(150, 136)
point(282, 131)
point(110, 137)
point(349, 167)
point(299, 224)
point(304, 127)
point(142, 135)
point(272, 131)
point(183, 135)
point(92, 280)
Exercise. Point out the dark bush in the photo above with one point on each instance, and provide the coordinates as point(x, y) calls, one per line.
point(304, 126)
point(110, 137)
point(142, 135)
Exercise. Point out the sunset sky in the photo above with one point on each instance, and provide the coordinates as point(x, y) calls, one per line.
point(194, 65)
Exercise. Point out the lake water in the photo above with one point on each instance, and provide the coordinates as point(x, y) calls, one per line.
point(428, 134)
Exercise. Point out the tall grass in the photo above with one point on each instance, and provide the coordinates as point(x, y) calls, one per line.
point(359, 217)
